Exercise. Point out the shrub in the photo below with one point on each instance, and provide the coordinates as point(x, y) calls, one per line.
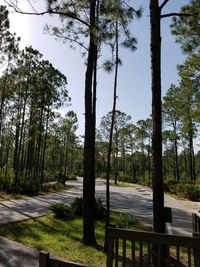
point(192, 192)
point(49, 187)
point(145, 182)
point(71, 176)
point(48, 176)
point(62, 211)
point(29, 187)
point(7, 183)
point(99, 210)
point(77, 206)
point(62, 178)
point(101, 175)
point(170, 185)
point(126, 221)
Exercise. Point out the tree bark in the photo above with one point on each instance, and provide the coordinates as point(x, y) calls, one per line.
point(176, 158)
point(89, 149)
point(44, 145)
point(110, 140)
point(158, 196)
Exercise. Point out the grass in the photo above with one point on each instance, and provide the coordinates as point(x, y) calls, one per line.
point(5, 196)
point(51, 188)
point(48, 188)
point(123, 185)
point(61, 238)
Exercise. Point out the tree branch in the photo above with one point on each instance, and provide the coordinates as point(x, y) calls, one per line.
point(163, 4)
point(56, 35)
point(48, 11)
point(179, 14)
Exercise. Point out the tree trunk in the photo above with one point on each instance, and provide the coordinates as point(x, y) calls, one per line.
point(191, 154)
point(16, 149)
point(158, 196)
point(37, 167)
point(110, 141)
point(44, 146)
point(89, 149)
point(176, 158)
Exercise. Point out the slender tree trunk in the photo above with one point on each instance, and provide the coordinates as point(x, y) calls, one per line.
point(89, 161)
point(194, 170)
point(110, 141)
point(191, 154)
point(20, 150)
point(185, 158)
point(116, 158)
point(116, 166)
point(66, 156)
point(149, 159)
point(8, 153)
point(37, 166)
point(176, 158)
point(158, 196)
point(44, 146)
point(30, 159)
point(3, 97)
point(16, 149)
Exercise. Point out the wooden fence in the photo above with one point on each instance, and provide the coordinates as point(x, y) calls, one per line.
point(145, 249)
point(45, 260)
point(196, 222)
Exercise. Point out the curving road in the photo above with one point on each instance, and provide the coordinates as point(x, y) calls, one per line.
point(136, 200)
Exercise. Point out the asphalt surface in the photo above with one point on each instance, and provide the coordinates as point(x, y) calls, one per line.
point(136, 200)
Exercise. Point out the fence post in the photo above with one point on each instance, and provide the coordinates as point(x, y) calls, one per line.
point(194, 223)
point(198, 223)
point(43, 259)
point(110, 250)
point(196, 252)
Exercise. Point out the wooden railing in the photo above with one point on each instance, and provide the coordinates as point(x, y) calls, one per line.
point(146, 249)
point(196, 222)
point(45, 260)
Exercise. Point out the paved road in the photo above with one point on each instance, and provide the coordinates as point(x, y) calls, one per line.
point(136, 200)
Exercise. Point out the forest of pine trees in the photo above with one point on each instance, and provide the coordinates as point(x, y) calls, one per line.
point(38, 144)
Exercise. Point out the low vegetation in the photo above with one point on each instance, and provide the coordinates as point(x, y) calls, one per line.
point(182, 189)
point(188, 191)
point(63, 237)
point(47, 188)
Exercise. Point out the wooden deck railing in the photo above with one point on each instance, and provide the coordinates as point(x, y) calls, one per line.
point(137, 248)
point(45, 260)
point(196, 222)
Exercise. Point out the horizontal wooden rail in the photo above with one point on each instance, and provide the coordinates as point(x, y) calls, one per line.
point(138, 248)
point(45, 260)
point(151, 237)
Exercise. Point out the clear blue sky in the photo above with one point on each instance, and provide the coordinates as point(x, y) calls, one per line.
point(134, 86)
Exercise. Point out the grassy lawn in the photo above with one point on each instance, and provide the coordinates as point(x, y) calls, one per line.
point(51, 188)
point(123, 185)
point(62, 238)
point(5, 196)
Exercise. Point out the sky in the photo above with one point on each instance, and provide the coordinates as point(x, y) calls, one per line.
point(134, 83)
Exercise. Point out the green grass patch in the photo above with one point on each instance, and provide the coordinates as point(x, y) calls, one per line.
point(123, 185)
point(63, 238)
point(51, 188)
point(48, 188)
point(5, 196)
